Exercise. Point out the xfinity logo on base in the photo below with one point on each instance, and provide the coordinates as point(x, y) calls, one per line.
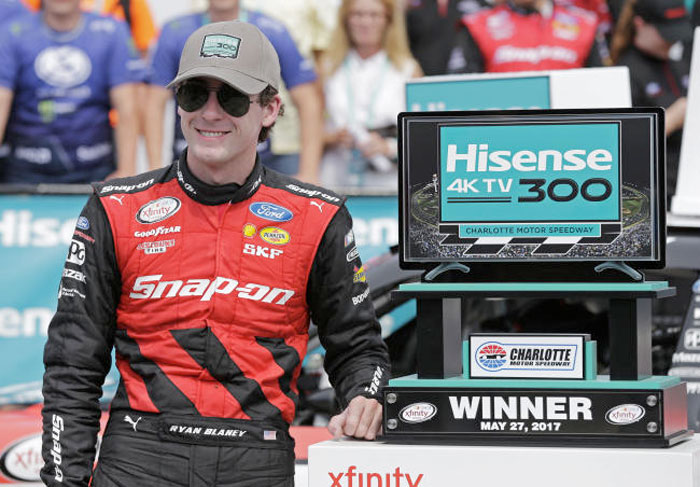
point(22, 460)
point(151, 287)
point(158, 210)
point(418, 412)
point(271, 211)
point(625, 414)
point(351, 477)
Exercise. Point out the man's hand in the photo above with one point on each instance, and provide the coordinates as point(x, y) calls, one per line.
point(362, 419)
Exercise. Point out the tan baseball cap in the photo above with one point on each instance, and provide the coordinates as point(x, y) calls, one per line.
point(235, 53)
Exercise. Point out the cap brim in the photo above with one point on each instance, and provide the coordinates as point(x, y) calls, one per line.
point(676, 30)
point(240, 81)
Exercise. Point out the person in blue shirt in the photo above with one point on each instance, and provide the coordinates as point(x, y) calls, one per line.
point(9, 10)
point(62, 71)
point(297, 74)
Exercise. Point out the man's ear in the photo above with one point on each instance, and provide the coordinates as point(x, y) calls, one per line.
point(271, 111)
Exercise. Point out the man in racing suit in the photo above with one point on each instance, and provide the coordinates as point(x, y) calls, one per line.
point(203, 275)
point(527, 35)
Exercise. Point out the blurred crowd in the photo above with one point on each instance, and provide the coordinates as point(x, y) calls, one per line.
point(83, 82)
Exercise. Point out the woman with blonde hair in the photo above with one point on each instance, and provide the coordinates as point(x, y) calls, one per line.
point(364, 72)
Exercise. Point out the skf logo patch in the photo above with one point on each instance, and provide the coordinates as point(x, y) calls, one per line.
point(249, 230)
point(257, 250)
point(274, 236)
point(220, 45)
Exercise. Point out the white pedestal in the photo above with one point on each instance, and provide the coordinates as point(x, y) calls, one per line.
point(349, 463)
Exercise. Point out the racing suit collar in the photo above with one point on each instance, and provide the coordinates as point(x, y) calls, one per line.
point(545, 12)
point(208, 194)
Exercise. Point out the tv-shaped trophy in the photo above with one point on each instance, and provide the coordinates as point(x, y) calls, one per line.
point(534, 204)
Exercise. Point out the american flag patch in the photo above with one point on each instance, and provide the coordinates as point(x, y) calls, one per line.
point(269, 435)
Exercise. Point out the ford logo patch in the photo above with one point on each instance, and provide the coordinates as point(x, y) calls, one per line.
point(271, 211)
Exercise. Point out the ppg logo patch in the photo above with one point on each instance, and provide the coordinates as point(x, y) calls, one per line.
point(220, 45)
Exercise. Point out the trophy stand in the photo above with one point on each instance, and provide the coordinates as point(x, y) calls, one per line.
point(628, 408)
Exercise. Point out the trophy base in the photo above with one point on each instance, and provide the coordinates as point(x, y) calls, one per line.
point(544, 440)
point(650, 413)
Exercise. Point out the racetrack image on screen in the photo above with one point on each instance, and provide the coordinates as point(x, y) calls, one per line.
point(555, 186)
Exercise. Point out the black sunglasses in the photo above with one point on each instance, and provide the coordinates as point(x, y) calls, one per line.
point(192, 96)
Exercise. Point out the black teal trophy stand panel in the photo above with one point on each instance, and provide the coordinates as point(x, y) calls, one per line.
point(570, 412)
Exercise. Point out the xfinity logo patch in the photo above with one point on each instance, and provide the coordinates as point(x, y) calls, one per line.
point(158, 210)
point(271, 211)
point(625, 414)
point(419, 412)
point(76, 252)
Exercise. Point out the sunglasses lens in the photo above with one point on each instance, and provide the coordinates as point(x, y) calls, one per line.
point(191, 96)
point(232, 101)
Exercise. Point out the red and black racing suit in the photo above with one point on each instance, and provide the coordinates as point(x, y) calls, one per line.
point(205, 293)
point(508, 38)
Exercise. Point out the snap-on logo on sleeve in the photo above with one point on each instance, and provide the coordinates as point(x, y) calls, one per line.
point(271, 211)
point(158, 210)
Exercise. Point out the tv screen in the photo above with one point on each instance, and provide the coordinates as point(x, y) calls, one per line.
point(571, 189)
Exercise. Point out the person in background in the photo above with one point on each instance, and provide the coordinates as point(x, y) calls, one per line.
point(9, 10)
point(62, 70)
point(297, 73)
point(528, 35)
point(204, 276)
point(652, 38)
point(135, 13)
point(432, 27)
point(310, 24)
point(364, 72)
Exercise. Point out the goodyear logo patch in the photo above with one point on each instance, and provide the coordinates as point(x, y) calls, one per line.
point(274, 235)
point(220, 45)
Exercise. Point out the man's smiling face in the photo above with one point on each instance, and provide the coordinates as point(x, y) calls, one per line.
point(215, 138)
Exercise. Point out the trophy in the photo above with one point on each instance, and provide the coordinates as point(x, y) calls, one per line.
point(533, 204)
